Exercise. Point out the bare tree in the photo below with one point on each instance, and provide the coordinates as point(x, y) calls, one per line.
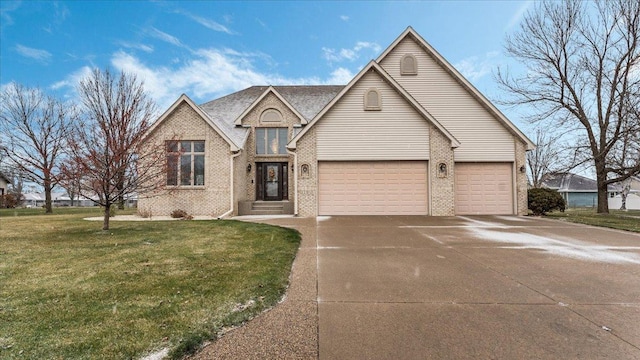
point(33, 128)
point(583, 61)
point(545, 159)
point(106, 146)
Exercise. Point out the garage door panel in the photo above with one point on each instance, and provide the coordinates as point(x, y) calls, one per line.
point(373, 188)
point(483, 188)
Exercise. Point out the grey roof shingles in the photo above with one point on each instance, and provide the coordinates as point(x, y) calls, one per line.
point(308, 100)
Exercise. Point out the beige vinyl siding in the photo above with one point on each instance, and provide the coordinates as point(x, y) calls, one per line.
point(373, 188)
point(482, 137)
point(348, 132)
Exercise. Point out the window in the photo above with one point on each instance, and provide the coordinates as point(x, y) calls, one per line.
point(271, 141)
point(408, 65)
point(372, 100)
point(271, 115)
point(185, 163)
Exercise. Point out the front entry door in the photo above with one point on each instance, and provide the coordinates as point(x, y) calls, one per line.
point(272, 181)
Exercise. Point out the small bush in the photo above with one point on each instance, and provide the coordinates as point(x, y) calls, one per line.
point(181, 214)
point(542, 201)
point(145, 213)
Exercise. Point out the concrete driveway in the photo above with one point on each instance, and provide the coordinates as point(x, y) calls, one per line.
point(487, 287)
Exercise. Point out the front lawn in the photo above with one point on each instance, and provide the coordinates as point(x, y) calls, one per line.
point(69, 290)
point(616, 219)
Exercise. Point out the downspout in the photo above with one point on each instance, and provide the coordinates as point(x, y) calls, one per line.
point(232, 192)
point(295, 181)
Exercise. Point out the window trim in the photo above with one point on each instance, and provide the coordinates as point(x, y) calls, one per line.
point(413, 71)
point(176, 167)
point(372, 107)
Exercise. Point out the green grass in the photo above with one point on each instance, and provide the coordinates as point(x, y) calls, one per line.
point(616, 219)
point(69, 290)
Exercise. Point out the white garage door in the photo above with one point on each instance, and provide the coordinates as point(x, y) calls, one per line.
point(373, 188)
point(483, 188)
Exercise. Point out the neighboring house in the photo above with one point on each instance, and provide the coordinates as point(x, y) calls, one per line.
point(407, 135)
point(633, 198)
point(59, 199)
point(577, 191)
point(4, 184)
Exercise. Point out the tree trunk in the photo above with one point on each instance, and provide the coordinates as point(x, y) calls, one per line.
point(603, 197)
point(120, 202)
point(105, 223)
point(47, 196)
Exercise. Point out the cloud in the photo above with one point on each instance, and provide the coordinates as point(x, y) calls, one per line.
point(476, 67)
point(72, 79)
point(6, 8)
point(160, 35)
point(137, 46)
point(344, 18)
point(40, 55)
point(515, 18)
point(340, 76)
point(208, 23)
point(333, 55)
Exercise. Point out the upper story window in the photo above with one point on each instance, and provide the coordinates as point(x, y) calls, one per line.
point(372, 100)
point(271, 115)
point(271, 141)
point(185, 163)
point(408, 65)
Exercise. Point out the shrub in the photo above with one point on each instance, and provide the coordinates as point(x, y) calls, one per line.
point(542, 201)
point(181, 214)
point(144, 213)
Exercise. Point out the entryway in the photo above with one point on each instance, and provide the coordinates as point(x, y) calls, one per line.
point(271, 182)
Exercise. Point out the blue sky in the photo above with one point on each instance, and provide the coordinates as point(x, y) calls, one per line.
point(209, 49)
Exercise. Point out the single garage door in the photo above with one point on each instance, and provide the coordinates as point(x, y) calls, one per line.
point(483, 188)
point(373, 188)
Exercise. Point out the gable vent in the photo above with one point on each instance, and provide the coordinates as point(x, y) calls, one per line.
point(271, 115)
point(372, 100)
point(408, 65)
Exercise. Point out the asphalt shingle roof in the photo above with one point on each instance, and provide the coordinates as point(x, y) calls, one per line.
point(308, 100)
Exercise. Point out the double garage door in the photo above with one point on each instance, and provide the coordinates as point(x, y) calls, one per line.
point(400, 188)
point(373, 188)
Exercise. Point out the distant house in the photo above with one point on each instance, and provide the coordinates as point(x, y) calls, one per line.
point(59, 199)
point(577, 191)
point(633, 199)
point(4, 183)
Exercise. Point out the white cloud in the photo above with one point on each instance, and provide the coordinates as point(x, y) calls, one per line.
point(137, 46)
point(340, 76)
point(37, 54)
point(333, 55)
point(515, 18)
point(160, 35)
point(72, 79)
point(208, 23)
point(475, 67)
point(344, 18)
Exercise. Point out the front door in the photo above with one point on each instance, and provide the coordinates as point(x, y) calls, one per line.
point(272, 181)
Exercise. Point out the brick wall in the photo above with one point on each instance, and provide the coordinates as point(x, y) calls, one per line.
point(521, 177)
point(213, 198)
point(308, 186)
point(253, 119)
point(442, 185)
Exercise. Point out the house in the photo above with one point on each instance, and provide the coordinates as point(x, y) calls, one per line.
point(633, 198)
point(408, 135)
point(4, 184)
point(577, 191)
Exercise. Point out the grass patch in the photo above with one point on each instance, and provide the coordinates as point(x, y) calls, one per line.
point(70, 290)
point(616, 219)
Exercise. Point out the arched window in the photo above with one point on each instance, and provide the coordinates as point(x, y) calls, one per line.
point(271, 115)
point(372, 100)
point(408, 65)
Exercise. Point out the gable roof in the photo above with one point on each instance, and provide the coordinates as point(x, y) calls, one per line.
point(409, 32)
point(373, 66)
point(304, 100)
point(270, 90)
point(185, 99)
